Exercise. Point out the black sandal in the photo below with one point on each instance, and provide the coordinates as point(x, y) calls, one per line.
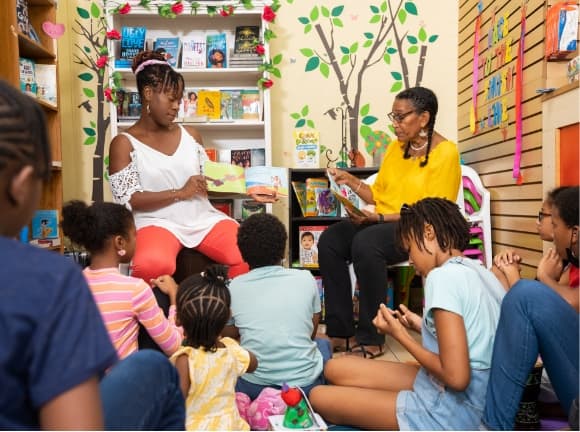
point(362, 349)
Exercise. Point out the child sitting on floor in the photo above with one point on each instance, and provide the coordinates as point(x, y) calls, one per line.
point(446, 390)
point(208, 364)
point(107, 231)
point(275, 312)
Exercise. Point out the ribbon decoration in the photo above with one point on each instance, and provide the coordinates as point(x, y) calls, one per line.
point(519, 88)
point(475, 75)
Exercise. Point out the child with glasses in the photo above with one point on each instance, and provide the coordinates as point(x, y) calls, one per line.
point(446, 389)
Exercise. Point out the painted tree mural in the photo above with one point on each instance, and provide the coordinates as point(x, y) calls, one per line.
point(388, 42)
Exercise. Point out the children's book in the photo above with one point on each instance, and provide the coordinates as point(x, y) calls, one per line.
point(308, 237)
point(45, 224)
point(241, 158)
point(260, 180)
point(227, 112)
point(307, 148)
point(347, 204)
point(46, 82)
point(300, 192)
point(258, 157)
point(209, 104)
point(326, 202)
point(193, 52)
point(346, 197)
point(169, 47)
point(22, 18)
point(245, 40)
point(312, 184)
point(216, 47)
point(251, 207)
point(132, 41)
point(251, 104)
point(27, 76)
point(189, 103)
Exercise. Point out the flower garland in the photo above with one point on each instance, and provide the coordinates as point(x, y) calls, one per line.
point(171, 9)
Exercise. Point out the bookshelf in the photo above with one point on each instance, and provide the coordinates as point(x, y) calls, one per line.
point(16, 43)
point(222, 135)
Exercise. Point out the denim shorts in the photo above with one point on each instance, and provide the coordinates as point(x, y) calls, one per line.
point(432, 406)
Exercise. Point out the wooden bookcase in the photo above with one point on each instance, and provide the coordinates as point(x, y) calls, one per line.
point(15, 44)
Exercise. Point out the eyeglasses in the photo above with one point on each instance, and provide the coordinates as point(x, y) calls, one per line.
point(398, 118)
point(542, 215)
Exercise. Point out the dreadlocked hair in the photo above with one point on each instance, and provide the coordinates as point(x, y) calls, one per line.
point(203, 307)
point(160, 77)
point(262, 240)
point(91, 226)
point(422, 100)
point(450, 226)
point(23, 137)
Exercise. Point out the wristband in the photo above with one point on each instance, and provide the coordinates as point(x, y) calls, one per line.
point(175, 197)
point(381, 218)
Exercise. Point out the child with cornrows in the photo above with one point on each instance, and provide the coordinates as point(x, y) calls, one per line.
point(446, 389)
point(107, 231)
point(208, 364)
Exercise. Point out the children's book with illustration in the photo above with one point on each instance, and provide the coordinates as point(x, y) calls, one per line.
point(169, 47)
point(251, 104)
point(347, 198)
point(307, 148)
point(27, 76)
point(45, 224)
point(46, 83)
point(216, 47)
point(300, 192)
point(259, 180)
point(308, 237)
point(314, 185)
point(132, 41)
point(193, 52)
point(209, 104)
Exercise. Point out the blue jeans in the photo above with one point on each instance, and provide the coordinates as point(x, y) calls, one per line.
point(534, 320)
point(253, 390)
point(142, 392)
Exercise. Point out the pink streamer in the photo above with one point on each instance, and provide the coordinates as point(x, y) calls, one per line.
point(519, 88)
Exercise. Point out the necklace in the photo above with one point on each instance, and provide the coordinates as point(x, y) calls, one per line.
point(419, 148)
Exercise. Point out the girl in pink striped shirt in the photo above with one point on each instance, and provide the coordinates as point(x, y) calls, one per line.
point(107, 232)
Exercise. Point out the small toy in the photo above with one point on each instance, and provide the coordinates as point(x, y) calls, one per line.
point(297, 414)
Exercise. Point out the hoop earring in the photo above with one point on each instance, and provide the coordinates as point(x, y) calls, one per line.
point(422, 132)
point(148, 109)
point(121, 252)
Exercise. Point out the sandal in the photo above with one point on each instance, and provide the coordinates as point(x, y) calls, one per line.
point(341, 344)
point(362, 350)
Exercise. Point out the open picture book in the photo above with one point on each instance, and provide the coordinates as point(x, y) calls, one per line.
point(347, 198)
point(256, 180)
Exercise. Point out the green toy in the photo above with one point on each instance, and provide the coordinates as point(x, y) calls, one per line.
point(297, 415)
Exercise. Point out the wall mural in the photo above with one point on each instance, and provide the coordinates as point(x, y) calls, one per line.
point(390, 39)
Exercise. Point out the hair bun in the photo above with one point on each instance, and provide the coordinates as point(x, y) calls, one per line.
point(216, 273)
point(143, 56)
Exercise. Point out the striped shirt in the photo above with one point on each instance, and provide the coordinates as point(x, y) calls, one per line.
point(124, 302)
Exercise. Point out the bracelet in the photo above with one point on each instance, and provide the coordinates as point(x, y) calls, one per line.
point(176, 197)
point(381, 218)
point(358, 187)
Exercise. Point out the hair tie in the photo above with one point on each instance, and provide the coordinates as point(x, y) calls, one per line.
point(149, 63)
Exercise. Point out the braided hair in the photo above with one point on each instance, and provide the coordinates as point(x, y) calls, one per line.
point(161, 77)
point(203, 307)
point(422, 100)
point(91, 226)
point(450, 226)
point(23, 136)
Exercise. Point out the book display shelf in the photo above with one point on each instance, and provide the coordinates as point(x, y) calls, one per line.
point(21, 37)
point(242, 121)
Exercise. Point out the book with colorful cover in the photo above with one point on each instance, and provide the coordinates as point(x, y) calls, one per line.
point(46, 82)
point(346, 197)
point(251, 207)
point(169, 47)
point(245, 40)
point(193, 52)
point(27, 76)
point(312, 184)
point(216, 48)
point(308, 236)
point(132, 41)
point(300, 192)
point(242, 157)
point(307, 148)
point(250, 104)
point(45, 224)
point(209, 104)
point(260, 180)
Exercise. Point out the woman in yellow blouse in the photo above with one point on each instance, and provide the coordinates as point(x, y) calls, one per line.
point(420, 163)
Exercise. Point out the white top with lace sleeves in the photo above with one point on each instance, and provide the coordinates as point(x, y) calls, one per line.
point(125, 183)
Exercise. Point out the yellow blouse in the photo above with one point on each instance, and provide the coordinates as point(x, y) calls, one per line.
point(402, 181)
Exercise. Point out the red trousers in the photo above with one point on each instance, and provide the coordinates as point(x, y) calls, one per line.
point(157, 250)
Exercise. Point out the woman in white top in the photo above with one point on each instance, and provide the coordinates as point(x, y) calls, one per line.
point(155, 170)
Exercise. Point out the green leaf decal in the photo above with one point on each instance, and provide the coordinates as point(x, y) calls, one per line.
point(314, 14)
point(411, 8)
point(312, 64)
point(307, 52)
point(367, 44)
point(365, 109)
point(337, 22)
point(93, 124)
point(344, 49)
point(300, 123)
point(354, 47)
point(422, 35)
point(369, 120)
point(83, 13)
point(375, 19)
point(336, 11)
point(383, 7)
point(88, 92)
point(374, 9)
point(95, 10)
point(310, 124)
point(344, 59)
point(86, 76)
point(402, 16)
point(433, 38)
point(387, 59)
point(413, 50)
point(325, 12)
point(307, 28)
point(304, 20)
point(90, 140)
point(324, 70)
point(369, 35)
point(90, 131)
point(277, 59)
point(397, 76)
point(412, 39)
point(365, 131)
point(392, 50)
point(397, 86)
point(304, 111)
point(295, 116)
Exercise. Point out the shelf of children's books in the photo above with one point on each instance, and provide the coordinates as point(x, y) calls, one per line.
point(32, 49)
point(313, 220)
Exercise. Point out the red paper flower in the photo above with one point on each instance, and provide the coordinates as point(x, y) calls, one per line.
point(260, 50)
point(113, 35)
point(268, 14)
point(226, 11)
point(266, 83)
point(108, 94)
point(177, 7)
point(102, 61)
point(125, 9)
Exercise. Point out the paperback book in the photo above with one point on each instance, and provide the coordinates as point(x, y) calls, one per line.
point(245, 40)
point(45, 224)
point(216, 50)
point(307, 148)
point(169, 47)
point(209, 104)
point(259, 180)
point(314, 186)
point(132, 41)
point(250, 104)
point(193, 52)
point(46, 82)
point(27, 76)
point(308, 237)
point(346, 197)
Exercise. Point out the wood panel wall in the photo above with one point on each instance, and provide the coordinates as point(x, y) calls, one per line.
point(514, 207)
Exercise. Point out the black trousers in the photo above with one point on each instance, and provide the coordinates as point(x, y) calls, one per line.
point(370, 248)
